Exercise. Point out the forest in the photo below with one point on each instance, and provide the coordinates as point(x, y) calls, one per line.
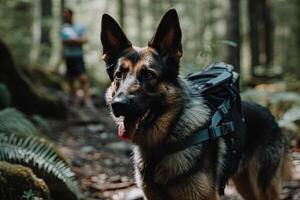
point(57, 138)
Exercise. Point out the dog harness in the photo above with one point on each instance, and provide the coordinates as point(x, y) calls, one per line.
point(219, 86)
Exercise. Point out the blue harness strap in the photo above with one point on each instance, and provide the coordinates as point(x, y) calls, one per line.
point(215, 129)
point(221, 112)
point(208, 83)
point(210, 133)
point(223, 77)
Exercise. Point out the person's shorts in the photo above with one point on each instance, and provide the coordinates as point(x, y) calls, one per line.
point(75, 66)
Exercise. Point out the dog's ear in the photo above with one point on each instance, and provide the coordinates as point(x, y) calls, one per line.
point(167, 39)
point(113, 39)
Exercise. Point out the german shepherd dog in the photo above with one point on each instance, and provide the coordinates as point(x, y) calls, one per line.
point(153, 108)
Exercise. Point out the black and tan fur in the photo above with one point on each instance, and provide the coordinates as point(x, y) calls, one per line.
point(155, 108)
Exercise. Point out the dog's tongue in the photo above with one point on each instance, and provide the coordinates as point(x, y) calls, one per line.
point(127, 129)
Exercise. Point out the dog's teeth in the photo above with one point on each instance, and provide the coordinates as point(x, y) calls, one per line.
point(137, 125)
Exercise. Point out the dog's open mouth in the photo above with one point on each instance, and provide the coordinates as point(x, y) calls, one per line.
point(129, 125)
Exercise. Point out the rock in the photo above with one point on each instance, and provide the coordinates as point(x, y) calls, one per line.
point(107, 136)
point(104, 136)
point(95, 128)
point(292, 98)
point(108, 162)
point(115, 179)
point(277, 101)
point(77, 162)
point(120, 146)
point(134, 194)
point(291, 120)
point(253, 95)
point(87, 149)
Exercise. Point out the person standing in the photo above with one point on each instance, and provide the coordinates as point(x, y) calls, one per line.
point(73, 38)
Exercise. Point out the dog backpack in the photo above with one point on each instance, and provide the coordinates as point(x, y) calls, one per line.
point(219, 86)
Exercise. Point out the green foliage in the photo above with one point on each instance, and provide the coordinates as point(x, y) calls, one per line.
point(20, 143)
point(41, 124)
point(290, 124)
point(5, 96)
point(14, 30)
point(291, 120)
point(19, 182)
point(29, 195)
point(44, 79)
point(40, 156)
point(287, 39)
point(284, 105)
point(13, 121)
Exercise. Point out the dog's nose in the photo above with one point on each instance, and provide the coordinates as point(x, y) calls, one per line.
point(120, 105)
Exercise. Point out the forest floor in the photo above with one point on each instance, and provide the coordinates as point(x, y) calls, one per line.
point(103, 164)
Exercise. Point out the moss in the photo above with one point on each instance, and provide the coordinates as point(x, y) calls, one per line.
point(43, 159)
point(15, 180)
point(25, 95)
point(44, 78)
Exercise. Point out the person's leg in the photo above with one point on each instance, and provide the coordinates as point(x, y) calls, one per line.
point(72, 90)
point(85, 87)
point(71, 77)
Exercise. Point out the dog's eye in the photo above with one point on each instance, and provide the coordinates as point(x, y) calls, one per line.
point(118, 75)
point(147, 75)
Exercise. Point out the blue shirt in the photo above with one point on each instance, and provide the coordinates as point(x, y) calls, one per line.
point(69, 32)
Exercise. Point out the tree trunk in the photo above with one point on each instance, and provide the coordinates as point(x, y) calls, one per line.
point(36, 32)
point(297, 35)
point(25, 96)
point(46, 11)
point(139, 21)
point(211, 26)
point(121, 12)
point(298, 25)
point(233, 34)
point(261, 32)
point(56, 47)
point(155, 8)
point(62, 4)
point(254, 36)
point(269, 32)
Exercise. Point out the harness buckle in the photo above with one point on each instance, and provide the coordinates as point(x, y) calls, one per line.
point(227, 128)
point(223, 109)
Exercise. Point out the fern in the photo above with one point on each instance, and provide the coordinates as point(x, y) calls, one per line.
point(38, 155)
point(41, 124)
point(29, 195)
point(13, 121)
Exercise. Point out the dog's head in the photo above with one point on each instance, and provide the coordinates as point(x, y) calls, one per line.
point(139, 75)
